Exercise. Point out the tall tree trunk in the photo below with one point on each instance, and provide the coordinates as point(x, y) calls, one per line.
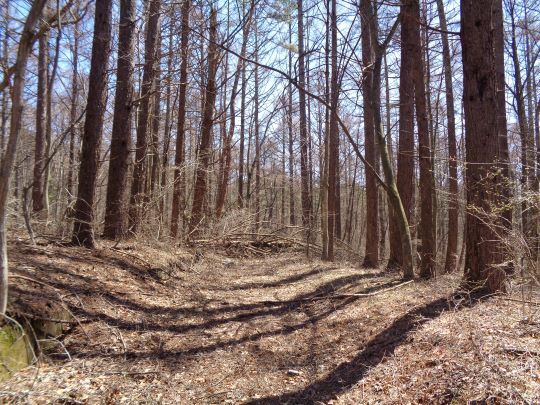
point(227, 147)
point(453, 202)
point(504, 158)
point(8, 159)
point(137, 197)
point(73, 108)
point(405, 153)
point(393, 231)
point(205, 147)
point(48, 124)
point(83, 228)
point(527, 142)
point(291, 139)
point(371, 258)
point(426, 249)
point(485, 251)
point(5, 92)
point(325, 157)
point(304, 175)
point(169, 105)
point(115, 219)
point(179, 198)
point(333, 134)
point(41, 123)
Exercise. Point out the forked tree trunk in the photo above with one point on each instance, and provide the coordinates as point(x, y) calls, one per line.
point(8, 159)
point(83, 228)
point(115, 218)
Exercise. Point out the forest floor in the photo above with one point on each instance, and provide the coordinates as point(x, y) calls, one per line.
point(163, 325)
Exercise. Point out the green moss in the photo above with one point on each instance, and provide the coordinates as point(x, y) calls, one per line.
point(15, 351)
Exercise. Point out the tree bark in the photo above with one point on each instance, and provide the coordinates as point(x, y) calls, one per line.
point(137, 197)
point(7, 162)
point(480, 19)
point(115, 219)
point(227, 146)
point(405, 152)
point(304, 175)
point(83, 228)
point(453, 199)
point(205, 147)
point(179, 198)
point(426, 235)
point(368, 22)
point(41, 120)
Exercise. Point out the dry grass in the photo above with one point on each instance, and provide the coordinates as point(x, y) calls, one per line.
point(167, 325)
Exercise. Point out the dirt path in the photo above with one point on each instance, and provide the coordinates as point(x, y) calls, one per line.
point(200, 327)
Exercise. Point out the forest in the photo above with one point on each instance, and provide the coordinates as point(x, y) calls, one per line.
point(270, 201)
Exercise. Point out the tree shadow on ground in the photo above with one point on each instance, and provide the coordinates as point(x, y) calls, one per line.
point(374, 352)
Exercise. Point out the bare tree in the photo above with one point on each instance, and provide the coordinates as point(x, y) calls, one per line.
point(115, 219)
point(83, 228)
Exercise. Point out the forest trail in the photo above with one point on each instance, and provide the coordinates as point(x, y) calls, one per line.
point(208, 326)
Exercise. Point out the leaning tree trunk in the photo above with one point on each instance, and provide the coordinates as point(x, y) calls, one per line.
point(121, 132)
point(485, 249)
point(8, 159)
point(83, 228)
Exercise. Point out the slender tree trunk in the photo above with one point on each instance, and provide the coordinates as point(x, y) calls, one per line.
point(368, 22)
point(393, 237)
point(73, 109)
point(83, 229)
point(137, 197)
point(333, 134)
point(205, 147)
point(41, 124)
point(257, 130)
point(453, 202)
point(304, 175)
point(8, 159)
point(115, 219)
point(5, 93)
point(527, 142)
point(227, 147)
point(499, 67)
point(291, 140)
point(48, 125)
point(426, 248)
point(405, 153)
point(483, 118)
point(179, 198)
point(325, 157)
